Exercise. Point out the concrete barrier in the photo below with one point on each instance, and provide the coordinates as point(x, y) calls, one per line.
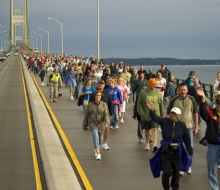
point(59, 174)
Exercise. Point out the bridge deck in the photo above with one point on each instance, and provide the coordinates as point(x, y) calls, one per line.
point(126, 164)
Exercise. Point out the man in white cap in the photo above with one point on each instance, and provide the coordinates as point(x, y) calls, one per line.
point(171, 152)
point(188, 106)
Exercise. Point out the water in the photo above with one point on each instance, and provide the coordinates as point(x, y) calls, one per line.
point(206, 73)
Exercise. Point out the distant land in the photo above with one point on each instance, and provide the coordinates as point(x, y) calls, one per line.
point(159, 61)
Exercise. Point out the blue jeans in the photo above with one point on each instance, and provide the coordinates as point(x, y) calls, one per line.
point(84, 109)
point(212, 156)
point(32, 67)
point(97, 138)
point(191, 135)
point(114, 120)
point(77, 90)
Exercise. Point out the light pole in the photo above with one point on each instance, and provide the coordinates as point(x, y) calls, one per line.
point(32, 44)
point(40, 42)
point(61, 26)
point(98, 42)
point(7, 40)
point(36, 41)
point(2, 40)
point(48, 36)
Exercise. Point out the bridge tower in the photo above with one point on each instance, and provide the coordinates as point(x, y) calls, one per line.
point(19, 17)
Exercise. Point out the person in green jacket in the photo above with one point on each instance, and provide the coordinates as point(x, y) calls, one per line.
point(139, 84)
point(153, 95)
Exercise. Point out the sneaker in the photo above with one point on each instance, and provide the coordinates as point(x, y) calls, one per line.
point(105, 146)
point(60, 94)
point(141, 140)
point(51, 100)
point(218, 166)
point(189, 171)
point(122, 121)
point(98, 157)
point(155, 149)
point(116, 127)
point(55, 100)
point(111, 127)
point(42, 84)
point(181, 174)
point(71, 98)
point(95, 153)
point(147, 147)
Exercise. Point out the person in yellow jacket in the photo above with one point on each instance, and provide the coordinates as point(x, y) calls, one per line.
point(55, 81)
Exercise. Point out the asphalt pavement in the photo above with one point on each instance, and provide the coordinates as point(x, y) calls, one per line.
point(126, 164)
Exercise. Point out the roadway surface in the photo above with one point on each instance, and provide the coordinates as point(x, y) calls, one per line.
point(16, 162)
point(124, 166)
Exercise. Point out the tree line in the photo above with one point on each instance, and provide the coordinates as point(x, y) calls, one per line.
point(166, 61)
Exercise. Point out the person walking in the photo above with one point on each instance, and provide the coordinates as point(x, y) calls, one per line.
point(78, 78)
point(139, 84)
point(133, 79)
point(71, 81)
point(161, 83)
point(42, 74)
point(54, 81)
point(94, 79)
point(86, 91)
point(150, 74)
point(97, 118)
point(49, 72)
point(171, 152)
point(150, 93)
point(188, 106)
point(212, 118)
point(124, 91)
point(216, 86)
point(165, 74)
point(117, 102)
point(107, 99)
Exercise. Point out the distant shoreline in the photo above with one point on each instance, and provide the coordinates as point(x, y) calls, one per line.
point(159, 61)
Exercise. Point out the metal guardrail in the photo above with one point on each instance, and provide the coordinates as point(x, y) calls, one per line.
point(207, 87)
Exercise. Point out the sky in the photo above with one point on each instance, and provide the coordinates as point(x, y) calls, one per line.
point(184, 29)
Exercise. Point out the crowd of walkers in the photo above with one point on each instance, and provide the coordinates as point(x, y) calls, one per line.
point(104, 90)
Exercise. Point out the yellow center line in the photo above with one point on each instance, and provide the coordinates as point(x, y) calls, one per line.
point(34, 154)
point(65, 140)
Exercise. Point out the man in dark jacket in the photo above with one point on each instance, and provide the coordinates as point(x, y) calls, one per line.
point(212, 135)
point(150, 74)
point(107, 99)
point(174, 133)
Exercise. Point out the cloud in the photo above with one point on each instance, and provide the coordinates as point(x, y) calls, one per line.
point(135, 28)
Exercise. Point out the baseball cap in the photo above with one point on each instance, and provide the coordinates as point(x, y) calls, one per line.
point(102, 82)
point(217, 93)
point(176, 110)
point(152, 81)
point(93, 70)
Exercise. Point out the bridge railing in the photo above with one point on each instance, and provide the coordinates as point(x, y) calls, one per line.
point(207, 87)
